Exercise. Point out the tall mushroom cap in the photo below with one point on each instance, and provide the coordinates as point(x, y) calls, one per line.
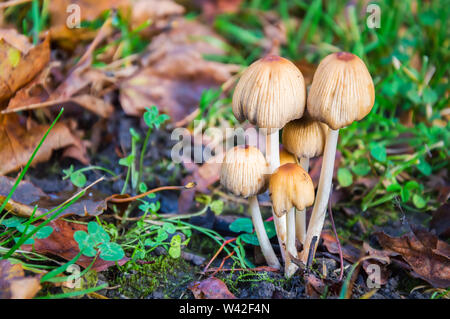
point(270, 93)
point(342, 90)
point(305, 137)
point(244, 171)
point(289, 186)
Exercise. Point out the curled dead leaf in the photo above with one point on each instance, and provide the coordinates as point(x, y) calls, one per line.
point(18, 143)
point(210, 288)
point(17, 67)
point(428, 256)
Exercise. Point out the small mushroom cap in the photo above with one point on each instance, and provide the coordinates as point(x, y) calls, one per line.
point(286, 157)
point(244, 171)
point(270, 93)
point(305, 137)
point(290, 186)
point(342, 90)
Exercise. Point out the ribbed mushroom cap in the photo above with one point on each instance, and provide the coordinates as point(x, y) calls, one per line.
point(244, 171)
point(286, 157)
point(305, 137)
point(342, 90)
point(290, 186)
point(270, 93)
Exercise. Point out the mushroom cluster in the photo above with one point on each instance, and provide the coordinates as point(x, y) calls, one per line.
point(271, 94)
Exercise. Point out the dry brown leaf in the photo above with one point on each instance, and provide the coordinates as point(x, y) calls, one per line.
point(176, 73)
point(61, 243)
point(210, 288)
point(14, 284)
point(18, 68)
point(36, 91)
point(26, 192)
point(428, 256)
point(27, 195)
point(153, 10)
point(94, 104)
point(18, 143)
point(81, 79)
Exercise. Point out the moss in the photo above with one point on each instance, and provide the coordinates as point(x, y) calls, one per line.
point(249, 279)
point(165, 278)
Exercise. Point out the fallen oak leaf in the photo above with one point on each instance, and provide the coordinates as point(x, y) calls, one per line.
point(14, 284)
point(210, 288)
point(428, 256)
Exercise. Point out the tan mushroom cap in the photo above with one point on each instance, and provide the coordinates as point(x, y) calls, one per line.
point(244, 171)
point(342, 90)
point(270, 93)
point(286, 157)
point(290, 186)
point(305, 137)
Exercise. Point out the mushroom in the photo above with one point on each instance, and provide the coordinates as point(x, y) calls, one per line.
point(305, 138)
point(286, 157)
point(270, 93)
point(342, 92)
point(244, 173)
point(290, 188)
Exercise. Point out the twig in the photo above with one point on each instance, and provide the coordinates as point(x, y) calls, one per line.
point(223, 262)
point(262, 268)
point(158, 189)
point(218, 252)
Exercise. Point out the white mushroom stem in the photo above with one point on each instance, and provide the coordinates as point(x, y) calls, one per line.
point(300, 216)
point(323, 193)
point(264, 242)
point(273, 158)
point(291, 250)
